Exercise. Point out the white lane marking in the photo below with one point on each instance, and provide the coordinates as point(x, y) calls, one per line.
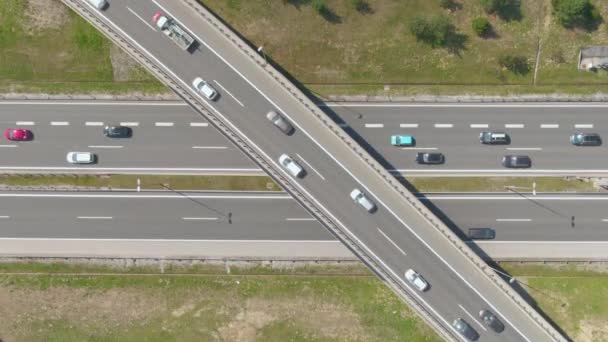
point(515, 198)
point(5, 217)
point(310, 166)
point(479, 125)
point(513, 220)
point(524, 148)
point(25, 123)
point(199, 218)
point(408, 125)
point(8, 145)
point(340, 223)
point(229, 93)
point(93, 123)
point(514, 125)
point(163, 124)
point(60, 123)
point(604, 220)
point(105, 146)
point(472, 317)
point(145, 196)
point(549, 125)
point(147, 169)
point(374, 125)
point(419, 148)
point(301, 219)
point(439, 125)
point(465, 105)
point(130, 124)
point(142, 19)
point(95, 103)
point(391, 241)
point(583, 126)
point(210, 147)
point(477, 242)
point(497, 171)
point(95, 217)
point(337, 243)
point(199, 124)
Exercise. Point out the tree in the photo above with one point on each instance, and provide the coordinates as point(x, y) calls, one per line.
point(447, 4)
point(505, 9)
point(434, 31)
point(516, 64)
point(481, 26)
point(320, 7)
point(572, 13)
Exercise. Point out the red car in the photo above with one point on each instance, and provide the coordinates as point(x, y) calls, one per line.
point(19, 134)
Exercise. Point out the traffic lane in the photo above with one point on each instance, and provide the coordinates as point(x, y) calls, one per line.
point(192, 216)
point(331, 141)
point(526, 217)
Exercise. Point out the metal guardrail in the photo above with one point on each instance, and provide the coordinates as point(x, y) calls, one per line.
point(186, 94)
point(389, 178)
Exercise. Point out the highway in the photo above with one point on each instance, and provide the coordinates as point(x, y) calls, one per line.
point(397, 237)
point(277, 217)
point(171, 138)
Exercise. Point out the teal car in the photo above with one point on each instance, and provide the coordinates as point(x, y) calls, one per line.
point(402, 140)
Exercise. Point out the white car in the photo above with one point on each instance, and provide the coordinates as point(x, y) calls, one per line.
point(291, 166)
point(416, 280)
point(81, 158)
point(204, 88)
point(99, 4)
point(363, 200)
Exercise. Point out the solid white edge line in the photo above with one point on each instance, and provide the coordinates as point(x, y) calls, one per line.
point(210, 147)
point(95, 217)
point(307, 163)
point(171, 240)
point(513, 220)
point(105, 146)
point(466, 105)
point(391, 241)
point(344, 227)
point(143, 196)
point(199, 218)
point(300, 219)
point(229, 93)
point(142, 19)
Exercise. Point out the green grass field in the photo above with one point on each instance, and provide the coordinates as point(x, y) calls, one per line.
point(44, 47)
point(359, 53)
point(498, 184)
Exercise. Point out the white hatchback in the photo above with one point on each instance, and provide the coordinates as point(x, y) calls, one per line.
point(416, 280)
point(362, 200)
point(204, 88)
point(99, 4)
point(291, 166)
point(81, 158)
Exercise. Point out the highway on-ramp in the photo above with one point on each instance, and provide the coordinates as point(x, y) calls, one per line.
point(397, 237)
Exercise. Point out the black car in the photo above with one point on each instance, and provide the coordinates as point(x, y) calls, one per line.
point(490, 320)
point(430, 158)
point(516, 162)
point(481, 233)
point(465, 329)
point(117, 132)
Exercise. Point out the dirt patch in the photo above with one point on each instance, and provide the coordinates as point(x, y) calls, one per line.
point(44, 14)
point(327, 319)
point(111, 309)
point(592, 331)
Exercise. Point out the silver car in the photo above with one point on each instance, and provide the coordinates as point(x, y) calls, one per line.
point(81, 158)
point(416, 280)
point(280, 122)
point(362, 200)
point(204, 88)
point(99, 4)
point(291, 166)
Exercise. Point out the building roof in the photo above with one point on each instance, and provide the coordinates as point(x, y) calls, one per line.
point(594, 51)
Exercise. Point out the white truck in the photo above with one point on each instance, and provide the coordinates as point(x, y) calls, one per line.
point(170, 28)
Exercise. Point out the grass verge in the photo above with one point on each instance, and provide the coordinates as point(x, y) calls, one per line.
point(237, 183)
point(573, 296)
point(71, 307)
point(481, 184)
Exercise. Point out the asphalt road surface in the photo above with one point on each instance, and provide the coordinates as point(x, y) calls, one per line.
point(170, 138)
point(276, 216)
point(397, 237)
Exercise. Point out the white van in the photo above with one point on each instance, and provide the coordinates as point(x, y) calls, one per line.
point(99, 4)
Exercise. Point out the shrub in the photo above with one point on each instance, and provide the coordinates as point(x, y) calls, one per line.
point(448, 4)
point(434, 31)
point(494, 6)
point(319, 6)
point(360, 5)
point(516, 64)
point(571, 13)
point(481, 26)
